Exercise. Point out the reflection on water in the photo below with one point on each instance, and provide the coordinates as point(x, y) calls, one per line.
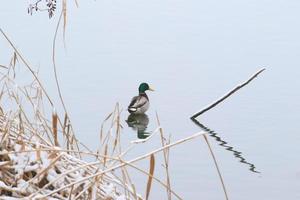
point(224, 144)
point(139, 123)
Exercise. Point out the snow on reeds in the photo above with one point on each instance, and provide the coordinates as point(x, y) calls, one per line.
point(35, 165)
point(32, 162)
point(40, 157)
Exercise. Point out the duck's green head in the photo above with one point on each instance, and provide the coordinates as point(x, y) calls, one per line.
point(144, 87)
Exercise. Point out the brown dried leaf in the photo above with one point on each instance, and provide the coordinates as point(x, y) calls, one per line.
point(54, 128)
point(151, 172)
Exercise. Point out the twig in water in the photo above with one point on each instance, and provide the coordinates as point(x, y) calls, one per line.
point(228, 94)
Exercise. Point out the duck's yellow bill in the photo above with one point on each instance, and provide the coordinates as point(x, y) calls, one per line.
point(151, 89)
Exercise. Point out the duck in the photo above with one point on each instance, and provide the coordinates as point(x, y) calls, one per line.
point(140, 104)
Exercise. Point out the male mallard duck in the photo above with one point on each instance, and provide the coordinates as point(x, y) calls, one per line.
point(140, 104)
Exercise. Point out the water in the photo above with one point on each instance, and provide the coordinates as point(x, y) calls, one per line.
point(192, 53)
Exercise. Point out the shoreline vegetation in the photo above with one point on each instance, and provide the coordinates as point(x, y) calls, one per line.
point(41, 158)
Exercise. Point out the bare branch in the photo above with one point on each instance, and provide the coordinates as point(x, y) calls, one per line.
point(228, 94)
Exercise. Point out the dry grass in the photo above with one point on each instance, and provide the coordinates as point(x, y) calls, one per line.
point(34, 165)
point(40, 157)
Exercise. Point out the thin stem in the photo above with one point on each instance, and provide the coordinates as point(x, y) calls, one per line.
point(217, 167)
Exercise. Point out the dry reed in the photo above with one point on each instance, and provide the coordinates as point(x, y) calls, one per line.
point(40, 157)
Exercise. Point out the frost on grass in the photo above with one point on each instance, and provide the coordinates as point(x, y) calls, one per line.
point(30, 171)
point(40, 157)
point(34, 166)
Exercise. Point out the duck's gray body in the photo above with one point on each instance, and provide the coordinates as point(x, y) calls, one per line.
point(139, 104)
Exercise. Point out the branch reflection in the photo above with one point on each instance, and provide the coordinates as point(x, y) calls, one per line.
point(224, 144)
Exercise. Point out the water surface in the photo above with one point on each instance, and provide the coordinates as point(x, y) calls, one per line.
point(191, 52)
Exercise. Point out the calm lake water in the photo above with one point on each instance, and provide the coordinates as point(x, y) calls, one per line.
point(191, 52)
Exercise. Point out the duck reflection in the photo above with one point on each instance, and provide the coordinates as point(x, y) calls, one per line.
point(139, 123)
